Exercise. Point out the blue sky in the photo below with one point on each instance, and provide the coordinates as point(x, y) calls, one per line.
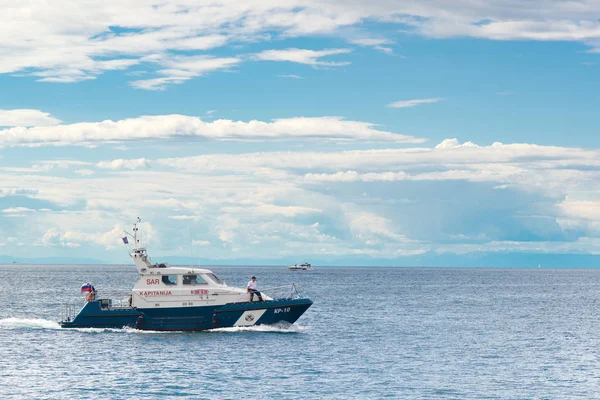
point(281, 132)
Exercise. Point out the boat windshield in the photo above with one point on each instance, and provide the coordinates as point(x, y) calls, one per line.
point(193, 280)
point(215, 279)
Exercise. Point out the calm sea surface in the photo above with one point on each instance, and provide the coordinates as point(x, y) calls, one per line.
point(402, 333)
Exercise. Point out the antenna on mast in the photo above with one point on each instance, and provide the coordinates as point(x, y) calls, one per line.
point(134, 236)
point(137, 252)
point(135, 232)
point(191, 242)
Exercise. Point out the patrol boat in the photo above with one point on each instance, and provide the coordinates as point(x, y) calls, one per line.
point(167, 298)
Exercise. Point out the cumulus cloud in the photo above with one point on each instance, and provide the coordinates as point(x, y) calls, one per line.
point(182, 127)
point(455, 144)
point(26, 117)
point(581, 210)
point(368, 226)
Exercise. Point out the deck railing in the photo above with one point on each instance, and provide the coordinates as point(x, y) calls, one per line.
point(68, 311)
point(287, 292)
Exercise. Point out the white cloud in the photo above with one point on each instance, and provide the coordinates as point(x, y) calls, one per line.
point(271, 209)
point(303, 56)
point(159, 83)
point(84, 172)
point(26, 117)
point(269, 204)
point(178, 69)
point(548, 30)
point(75, 230)
point(124, 164)
point(378, 44)
point(73, 238)
point(353, 176)
point(185, 217)
point(291, 76)
point(370, 41)
point(455, 144)
point(450, 153)
point(413, 103)
point(581, 209)
point(68, 42)
point(180, 126)
point(47, 165)
point(17, 210)
point(16, 190)
point(369, 226)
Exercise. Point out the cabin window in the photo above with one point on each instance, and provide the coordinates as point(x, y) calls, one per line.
point(169, 279)
point(214, 278)
point(193, 280)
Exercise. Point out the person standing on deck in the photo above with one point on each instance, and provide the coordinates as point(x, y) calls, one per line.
point(252, 288)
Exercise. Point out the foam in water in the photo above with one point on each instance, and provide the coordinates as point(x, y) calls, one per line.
point(27, 323)
point(263, 328)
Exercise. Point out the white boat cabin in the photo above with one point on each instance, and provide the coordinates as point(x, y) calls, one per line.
point(160, 285)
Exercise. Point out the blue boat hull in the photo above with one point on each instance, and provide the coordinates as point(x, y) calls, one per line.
point(96, 314)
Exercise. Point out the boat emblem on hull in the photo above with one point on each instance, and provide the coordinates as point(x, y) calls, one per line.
point(249, 317)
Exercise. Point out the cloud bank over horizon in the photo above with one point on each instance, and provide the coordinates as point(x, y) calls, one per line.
point(455, 198)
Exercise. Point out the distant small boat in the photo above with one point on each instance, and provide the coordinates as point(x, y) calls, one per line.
point(300, 267)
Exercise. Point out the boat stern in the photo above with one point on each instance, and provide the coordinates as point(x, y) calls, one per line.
point(100, 314)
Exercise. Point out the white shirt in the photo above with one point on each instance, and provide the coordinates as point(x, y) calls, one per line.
point(252, 285)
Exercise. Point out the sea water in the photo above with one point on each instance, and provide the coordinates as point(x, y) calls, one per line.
point(372, 333)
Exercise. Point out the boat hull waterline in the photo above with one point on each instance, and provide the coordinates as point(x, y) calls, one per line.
point(94, 315)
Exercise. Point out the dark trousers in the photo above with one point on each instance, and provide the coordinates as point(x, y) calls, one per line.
point(253, 292)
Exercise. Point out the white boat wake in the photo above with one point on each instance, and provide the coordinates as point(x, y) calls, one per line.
point(38, 323)
point(263, 328)
point(28, 323)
